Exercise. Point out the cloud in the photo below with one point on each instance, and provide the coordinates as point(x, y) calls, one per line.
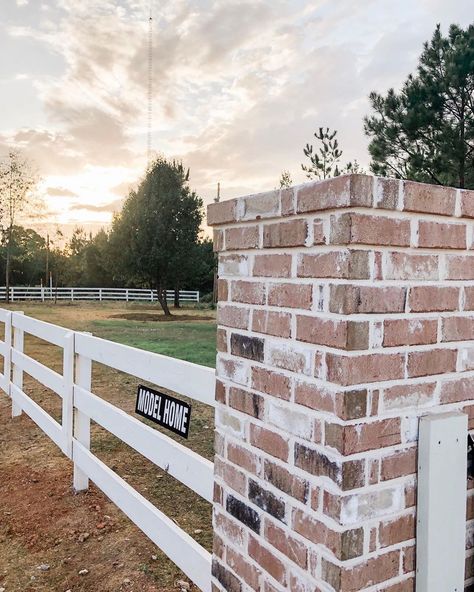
point(60, 192)
point(111, 207)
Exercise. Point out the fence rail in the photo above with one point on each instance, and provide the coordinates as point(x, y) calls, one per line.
point(80, 406)
point(19, 293)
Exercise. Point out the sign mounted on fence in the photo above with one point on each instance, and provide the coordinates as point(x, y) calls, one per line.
point(164, 410)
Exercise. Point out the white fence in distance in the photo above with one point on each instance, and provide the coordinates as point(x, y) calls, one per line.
point(80, 405)
point(38, 293)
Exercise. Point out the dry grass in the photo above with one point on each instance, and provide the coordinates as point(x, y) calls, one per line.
point(43, 522)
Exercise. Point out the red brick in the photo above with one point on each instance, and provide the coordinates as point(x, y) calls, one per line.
point(367, 229)
point(220, 213)
point(409, 332)
point(275, 266)
point(233, 477)
point(339, 192)
point(217, 240)
point(248, 292)
point(233, 316)
point(287, 198)
point(319, 237)
point(271, 383)
point(267, 560)
point(467, 204)
point(427, 363)
point(457, 390)
point(269, 442)
point(222, 290)
point(433, 298)
point(404, 266)
point(285, 234)
point(220, 392)
point(221, 340)
point(351, 439)
point(392, 532)
point(285, 481)
point(245, 570)
point(245, 237)
point(412, 395)
point(272, 323)
point(387, 193)
point(434, 199)
point(469, 298)
point(286, 544)
point(347, 264)
point(243, 458)
point(290, 295)
point(441, 236)
point(399, 464)
point(315, 397)
point(348, 335)
point(353, 299)
point(368, 573)
point(347, 370)
point(250, 403)
point(458, 329)
point(460, 267)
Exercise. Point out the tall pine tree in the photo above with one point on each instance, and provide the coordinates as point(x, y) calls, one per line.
point(426, 131)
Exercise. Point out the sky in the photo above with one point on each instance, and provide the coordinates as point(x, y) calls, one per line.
point(239, 87)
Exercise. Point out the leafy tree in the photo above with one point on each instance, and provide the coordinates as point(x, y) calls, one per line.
point(426, 131)
point(28, 257)
point(17, 198)
point(285, 179)
point(154, 237)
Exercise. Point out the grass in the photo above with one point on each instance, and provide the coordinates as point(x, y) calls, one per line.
point(190, 341)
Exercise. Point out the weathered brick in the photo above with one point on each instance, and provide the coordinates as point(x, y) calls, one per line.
point(244, 237)
point(217, 240)
point(404, 266)
point(286, 544)
point(292, 358)
point(267, 501)
point(250, 403)
point(346, 264)
point(233, 316)
point(287, 199)
point(347, 370)
point(285, 481)
point(398, 464)
point(272, 323)
point(433, 199)
point(271, 383)
point(276, 266)
point(285, 234)
point(387, 192)
point(247, 347)
point(239, 564)
point(267, 560)
point(351, 439)
point(270, 442)
point(457, 329)
point(469, 298)
point(348, 335)
point(229, 581)
point(233, 477)
point(339, 192)
point(290, 295)
point(412, 395)
point(409, 332)
point(248, 292)
point(243, 513)
point(220, 213)
point(353, 299)
point(441, 236)
point(233, 265)
point(433, 298)
point(243, 458)
point(368, 573)
point(366, 229)
point(467, 203)
point(427, 363)
point(460, 267)
point(315, 396)
point(319, 236)
point(396, 531)
point(457, 390)
point(260, 205)
point(221, 340)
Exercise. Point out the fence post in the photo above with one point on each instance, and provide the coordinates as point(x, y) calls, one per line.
point(126, 294)
point(7, 363)
point(82, 423)
point(17, 378)
point(67, 406)
point(100, 294)
point(72, 294)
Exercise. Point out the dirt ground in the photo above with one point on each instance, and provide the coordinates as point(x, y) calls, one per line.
point(48, 534)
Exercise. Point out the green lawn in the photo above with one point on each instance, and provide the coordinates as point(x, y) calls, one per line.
point(191, 341)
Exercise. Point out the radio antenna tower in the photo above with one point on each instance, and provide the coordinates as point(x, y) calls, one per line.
point(150, 84)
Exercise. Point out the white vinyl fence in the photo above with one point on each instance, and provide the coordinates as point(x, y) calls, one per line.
point(18, 293)
point(80, 405)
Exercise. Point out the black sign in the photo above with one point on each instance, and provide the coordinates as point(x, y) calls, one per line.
point(164, 410)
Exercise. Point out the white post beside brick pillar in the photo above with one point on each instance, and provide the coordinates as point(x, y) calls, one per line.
point(346, 311)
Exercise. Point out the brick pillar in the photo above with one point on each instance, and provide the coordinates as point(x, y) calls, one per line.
point(344, 314)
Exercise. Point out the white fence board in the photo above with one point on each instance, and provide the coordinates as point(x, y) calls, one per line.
point(18, 293)
point(49, 378)
point(182, 549)
point(41, 329)
point(182, 463)
point(185, 378)
point(42, 419)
